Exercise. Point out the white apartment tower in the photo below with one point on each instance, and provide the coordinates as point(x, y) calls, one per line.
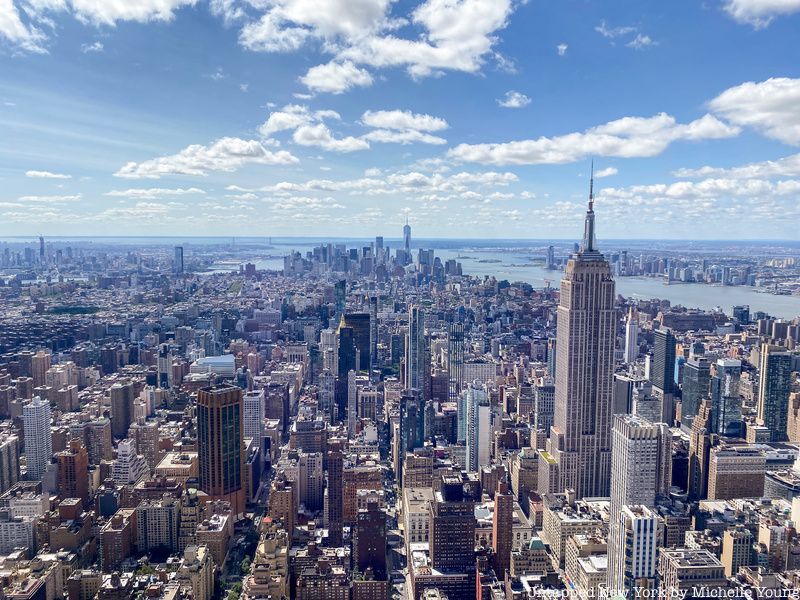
point(36, 417)
point(641, 467)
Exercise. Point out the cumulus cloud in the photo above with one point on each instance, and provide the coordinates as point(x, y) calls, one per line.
point(27, 38)
point(293, 116)
point(771, 107)
point(46, 175)
point(225, 154)
point(151, 193)
point(108, 12)
point(759, 13)
point(788, 166)
point(628, 137)
point(359, 34)
point(320, 136)
point(55, 199)
point(561, 49)
point(402, 119)
point(30, 38)
point(95, 47)
point(409, 136)
point(391, 126)
point(336, 77)
point(514, 99)
point(608, 172)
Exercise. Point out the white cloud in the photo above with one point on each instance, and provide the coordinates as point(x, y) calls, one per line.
point(225, 154)
point(292, 116)
point(95, 47)
point(613, 32)
point(562, 49)
point(152, 193)
point(108, 12)
point(267, 35)
point(759, 13)
point(608, 172)
point(454, 35)
point(403, 119)
point(628, 137)
point(97, 12)
point(25, 37)
point(638, 42)
point(771, 107)
point(707, 188)
point(336, 77)
point(46, 175)
point(320, 136)
point(50, 199)
point(514, 99)
point(788, 166)
point(408, 136)
point(641, 41)
point(458, 34)
point(244, 87)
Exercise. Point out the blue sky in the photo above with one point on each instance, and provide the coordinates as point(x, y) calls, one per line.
point(474, 118)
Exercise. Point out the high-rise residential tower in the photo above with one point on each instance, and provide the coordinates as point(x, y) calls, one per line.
point(641, 468)
point(581, 434)
point(36, 418)
point(774, 387)
point(220, 441)
point(632, 336)
point(415, 351)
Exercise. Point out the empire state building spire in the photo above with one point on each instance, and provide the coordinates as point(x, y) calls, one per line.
point(578, 457)
point(589, 241)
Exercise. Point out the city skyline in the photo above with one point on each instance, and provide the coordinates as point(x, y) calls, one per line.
point(246, 118)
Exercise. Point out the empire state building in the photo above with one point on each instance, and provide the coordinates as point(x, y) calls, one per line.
point(580, 438)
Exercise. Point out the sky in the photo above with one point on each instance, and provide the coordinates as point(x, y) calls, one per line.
point(469, 118)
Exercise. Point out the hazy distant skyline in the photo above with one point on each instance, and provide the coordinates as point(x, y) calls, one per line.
point(474, 118)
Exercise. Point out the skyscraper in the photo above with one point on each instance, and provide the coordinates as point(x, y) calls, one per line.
point(502, 529)
point(726, 404)
point(36, 418)
point(581, 434)
point(662, 371)
point(774, 386)
point(220, 441)
point(455, 359)
point(345, 362)
point(253, 415)
point(369, 540)
point(362, 337)
point(335, 497)
point(407, 238)
point(452, 527)
point(123, 396)
point(632, 336)
point(177, 265)
point(641, 468)
point(696, 387)
point(415, 351)
point(478, 427)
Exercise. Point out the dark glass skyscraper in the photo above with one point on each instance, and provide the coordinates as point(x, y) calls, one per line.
point(696, 387)
point(662, 371)
point(360, 324)
point(774, 386)
point(220, 444)
point(455, 359)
